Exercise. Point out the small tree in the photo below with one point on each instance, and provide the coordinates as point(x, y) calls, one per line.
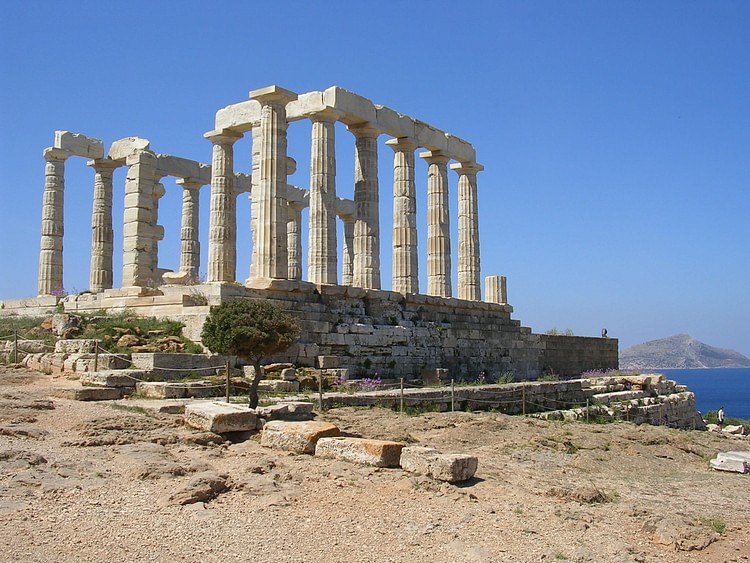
point(252, 330)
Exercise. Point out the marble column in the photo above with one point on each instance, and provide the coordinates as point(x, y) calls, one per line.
point(190, 246)
point(138, 227)
point(102, 235)
point(347, 262)
point(222, 221)
point(366, 200)
point(468, 231)
point(271, 201)
point(321, 248)
point(495, 289)
point(294, 239)
point(405, 274)
point(53, 224)
point(438, 225)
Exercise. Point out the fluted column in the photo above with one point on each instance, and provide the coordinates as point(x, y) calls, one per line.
point(271, 199)
point(321, 247)
point(347, 262)
point(294, 239)
point(190, 246)
point(468, 231)
point(157, 232)
point(496, 289)
point(438, 225)
point(405, 274)
point(138, 227)
point(53, 224)
point(222, 221)
point(100, 274)
point(366, 200)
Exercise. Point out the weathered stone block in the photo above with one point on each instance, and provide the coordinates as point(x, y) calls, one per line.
point(286, 411)
point(432, 377)
point(299, 437)
point(79, 145)
point(738, 462)
point(380, 453)
point(112, 378)
point(443, 467)
point(220, 417)
point(278, 386)
point(88, 393)
point(289, 374)
point(79, 346)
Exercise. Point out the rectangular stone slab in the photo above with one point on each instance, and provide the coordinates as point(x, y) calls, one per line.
point(298, 437)
point(452, 468)
point(380, 453)
point(219, 417)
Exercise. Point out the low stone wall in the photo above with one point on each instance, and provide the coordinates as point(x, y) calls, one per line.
point(573, 355)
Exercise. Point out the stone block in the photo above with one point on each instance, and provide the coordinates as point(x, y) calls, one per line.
point(298, 437)
point(238, 117)
point(289, 374)
point(429, 137)
point(393, 123)
point(292, 410)
point(220, 418)
point(128, 146)
point(112, 378)
point(737, 462)
point(452, 468)
point(460, 150)
point(88, 393)
point(79, 346)
point(168, 165)
point(305, 105)
point(79, 145)
point(278, 386)
point(355, 108)
point(328, 362)
point(380, 453)
point(432, 377)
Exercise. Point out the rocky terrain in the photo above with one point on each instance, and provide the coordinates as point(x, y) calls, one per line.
point(92, 482)
point(682, 352)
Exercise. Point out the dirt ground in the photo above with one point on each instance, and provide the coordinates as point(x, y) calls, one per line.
point(90, 482)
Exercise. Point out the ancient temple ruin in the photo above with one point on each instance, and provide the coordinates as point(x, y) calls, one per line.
point(346, 316)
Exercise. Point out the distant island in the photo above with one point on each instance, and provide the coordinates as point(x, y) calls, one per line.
point(680, 351)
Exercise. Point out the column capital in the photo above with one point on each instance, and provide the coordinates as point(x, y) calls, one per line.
point(467, 167)
point(327, 115)
point(435, 157)
point(402, 144)
point(272, 95)
point(103, 164)
point(53, 153)
point(218, 136)
point(190, 183)
point(365, 129)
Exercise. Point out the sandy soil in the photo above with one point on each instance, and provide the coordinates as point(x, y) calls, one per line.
point(89, 482)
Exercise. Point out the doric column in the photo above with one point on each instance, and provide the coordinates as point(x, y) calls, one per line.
point(100, 274)
point(347, 262)
point(294, 239)
point(222, 221)
point(405, 258)
point(366, 200)
point(53, 224)
point(495, 289)
point(438, 225)
point(138, 227)
point(270, 199)
point(321, 247)
point(468, 231)
point(157, 232)
point(190, 246)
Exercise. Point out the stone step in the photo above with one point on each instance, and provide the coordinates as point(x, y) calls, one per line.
point(89, 393)
point(182, 390)
point(112, 378)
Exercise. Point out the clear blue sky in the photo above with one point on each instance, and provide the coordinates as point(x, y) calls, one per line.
point(615, 135)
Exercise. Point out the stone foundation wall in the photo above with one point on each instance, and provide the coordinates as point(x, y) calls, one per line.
point(377, 333)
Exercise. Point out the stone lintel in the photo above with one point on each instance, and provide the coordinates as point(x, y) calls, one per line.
point(168, 165)
point(402, 144)
point(273, 94)
point(467, 167)
point(297, 195)
point(460, 150)
point(79, 145)
point(354, 108)
point(429, 137)
point(345, 208)
point(394, 123)
point(243, 183)
point(123, 148)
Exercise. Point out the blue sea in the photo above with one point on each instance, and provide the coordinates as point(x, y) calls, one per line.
point(713, 388)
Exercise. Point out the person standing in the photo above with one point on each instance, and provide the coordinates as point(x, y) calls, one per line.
point(720, 417)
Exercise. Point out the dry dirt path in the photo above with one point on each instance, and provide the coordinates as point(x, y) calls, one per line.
point(89, 482)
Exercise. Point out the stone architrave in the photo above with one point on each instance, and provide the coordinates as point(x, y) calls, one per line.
point(468, 231)
point(102, 236)
point(405, 274)
point(271, 201)
point(366, 200)
point(222, 222)
point(53, 224)
point(321, 248)
point(495, 289)
point(190, 246)
point(438, 225)
point(294, 239)
point(138, 228)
